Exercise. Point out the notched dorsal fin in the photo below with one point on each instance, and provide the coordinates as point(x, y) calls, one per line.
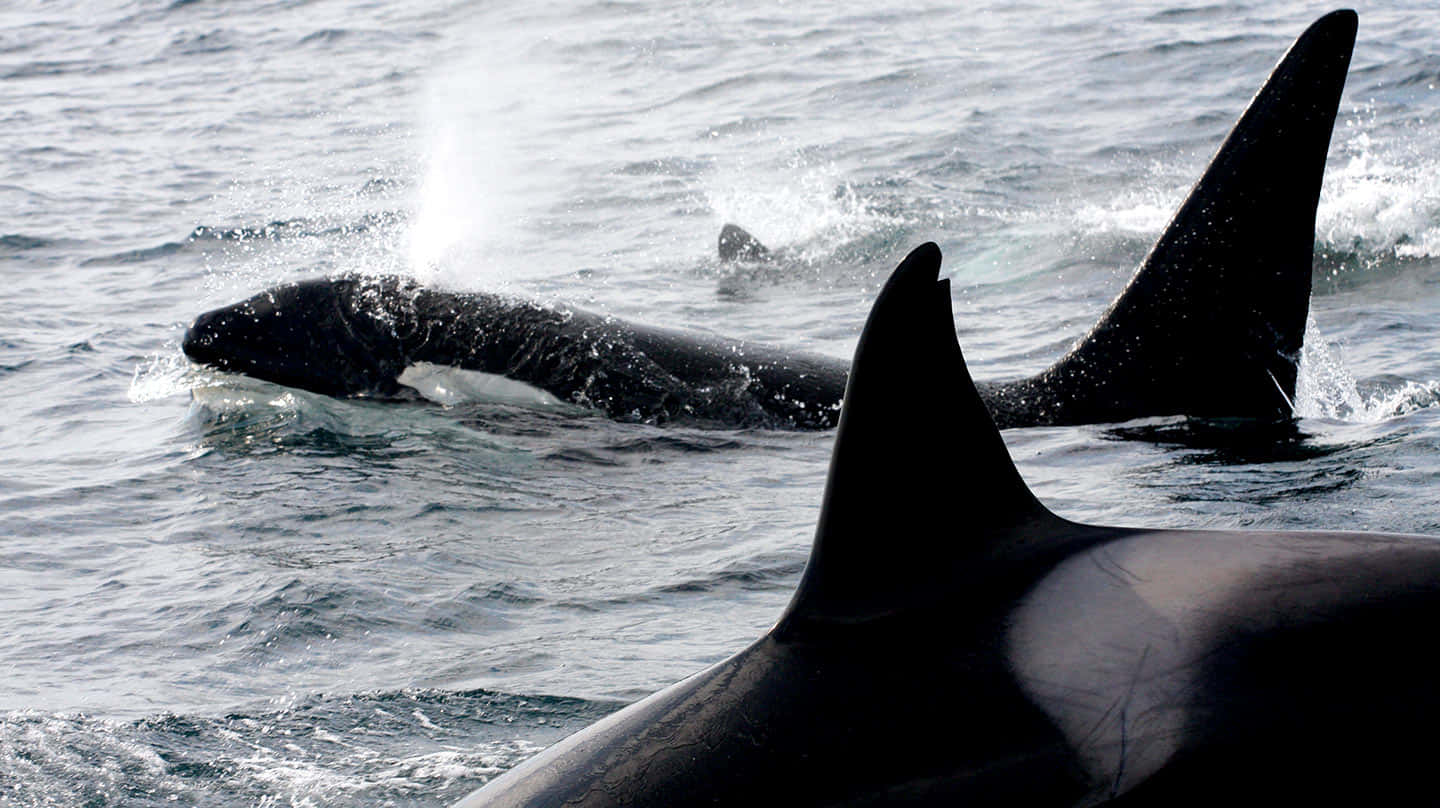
point(1212, 323)
point(920, 481)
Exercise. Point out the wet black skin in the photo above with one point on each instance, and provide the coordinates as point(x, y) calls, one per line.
point(353, 336)
point(1210, 325)
point(953, 642)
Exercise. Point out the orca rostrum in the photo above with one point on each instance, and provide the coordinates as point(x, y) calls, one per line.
point(954, 643)
point(1211, 324)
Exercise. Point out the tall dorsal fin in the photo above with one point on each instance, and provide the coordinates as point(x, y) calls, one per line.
point(1212, 322)
point(920, 480)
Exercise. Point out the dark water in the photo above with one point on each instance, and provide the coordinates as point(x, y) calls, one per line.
point(221, 592)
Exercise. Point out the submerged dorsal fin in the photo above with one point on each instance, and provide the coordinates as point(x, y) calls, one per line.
point(1213, 321)
point(920, 480)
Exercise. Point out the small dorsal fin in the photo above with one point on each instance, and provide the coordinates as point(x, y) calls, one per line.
point(736, 244)
point(1212, 322)
point(920, 480)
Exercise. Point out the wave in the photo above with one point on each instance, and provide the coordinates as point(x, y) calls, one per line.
point(765, 572)
point(1338, 269)
point(1182, 54)
point(327, 37)
point(301, 227)
point(17, 242)
point(401, 747)
point(593, 449)
point(210, 42)
point(295, 614)
point(243, 417)
point(51, 69)
point(39, 249)
point(205, 236)
point(768, 572)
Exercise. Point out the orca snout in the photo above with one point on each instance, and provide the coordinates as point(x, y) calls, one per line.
point(201, 337)
point(229, 338)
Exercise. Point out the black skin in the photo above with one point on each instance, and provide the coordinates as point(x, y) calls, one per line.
point(953, 642)
point(353, 336)
point(1210, 325)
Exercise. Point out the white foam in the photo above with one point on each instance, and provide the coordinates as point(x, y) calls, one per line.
point(1325, 388)
point(165, 374)
point(1381, 199)
point(793, 204)
point(1142, 211)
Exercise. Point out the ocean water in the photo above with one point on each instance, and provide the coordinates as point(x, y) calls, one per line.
point(215, 591)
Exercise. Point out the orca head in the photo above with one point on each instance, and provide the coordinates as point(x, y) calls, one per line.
point(334, 337)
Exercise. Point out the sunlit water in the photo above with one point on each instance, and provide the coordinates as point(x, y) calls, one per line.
point(222, 592)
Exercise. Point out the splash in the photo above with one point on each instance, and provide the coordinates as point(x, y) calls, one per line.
point(1325, 388)
point(460, 199)
point(486, 118)
point(1137, 212)
point(72, 759)
point(269, 760)
point(1381, 200)
point(794, 205)
point(165, 374)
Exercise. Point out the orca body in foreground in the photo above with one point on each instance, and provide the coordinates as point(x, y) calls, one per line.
point(953, 642)
point(1210, 325)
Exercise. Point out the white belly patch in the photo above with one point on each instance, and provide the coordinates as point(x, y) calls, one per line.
point(448, 385)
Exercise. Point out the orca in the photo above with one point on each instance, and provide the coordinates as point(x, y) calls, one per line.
point(954, 642)
point(356, 336)
point(1211, 323)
